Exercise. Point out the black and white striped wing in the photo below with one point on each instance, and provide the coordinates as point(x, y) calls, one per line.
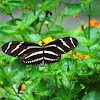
point(51, 56)
point(58, 47)
point(33, 58)
point(28, 52)
point(19, 49)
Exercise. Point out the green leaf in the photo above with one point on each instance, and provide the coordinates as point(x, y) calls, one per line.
point(30, 88)
point(18, 77)
point(82, 48)
point(93, 32)
point(28, 19)
point(15, 3)
point(11, 97)
point(42, 90)
point(94, 95)
point(9, 30)
point(35, 38)
point(17, 65)
point(71, 9)
point(86, 1)
point(65, 80)
point(82, 40)
point(3, 34)
point(3, 24)
point(56, 98)
point(57, 28)
point(11, 22)
point(48, 4)
point(36, 74)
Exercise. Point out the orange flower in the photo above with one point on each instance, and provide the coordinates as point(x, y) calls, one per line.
point(80, 29)
point(74, 54)
point(85, 56)
point(23, 88)
point(76, 15)
point(74, 79)
point(93, 23)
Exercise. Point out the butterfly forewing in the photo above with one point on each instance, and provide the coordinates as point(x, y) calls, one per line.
point(56, 48)
point(62, 45)
point(19, 49)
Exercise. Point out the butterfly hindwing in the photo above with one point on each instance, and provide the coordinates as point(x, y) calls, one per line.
point(51, 56)
point(33, 58)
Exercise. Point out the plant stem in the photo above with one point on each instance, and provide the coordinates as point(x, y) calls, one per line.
point(8, 78)
point(19, 13)
point(94, 6)
point(89, 16)
point(61, 7)
point(55, 77)
point(16, 93)
point(13, 18)
point(34, 6)
point(48, 28)
point(85, 8)
point(56, 13)
point(40, 27)
point(35, 26)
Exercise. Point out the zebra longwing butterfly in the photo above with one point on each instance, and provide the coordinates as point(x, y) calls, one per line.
point(34, 54)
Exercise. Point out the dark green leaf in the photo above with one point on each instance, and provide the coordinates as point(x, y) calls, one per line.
point(82, 48)
point(56, 98)
point(36, 74)
point(17, 65)
point(71, 9)
point(30, 88)
point(94, 95)
point(28, 19)
point(42, 90)
point(48, 4)
point(11, 97)
point(65, 80)
point(18, 77)
point(9, 30)
point(15, 3)
point(57, 28)
point(3, 34)
point(93, 32)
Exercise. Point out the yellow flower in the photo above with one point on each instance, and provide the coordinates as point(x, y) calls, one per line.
point(46, 41)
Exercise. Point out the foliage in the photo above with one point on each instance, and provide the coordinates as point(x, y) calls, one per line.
point(75, 77)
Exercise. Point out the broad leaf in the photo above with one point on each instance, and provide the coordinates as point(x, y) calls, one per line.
point(94, 95)
point(71, 9)
point(30, 88)
point(28, 19)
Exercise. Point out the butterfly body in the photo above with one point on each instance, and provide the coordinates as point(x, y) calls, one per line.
point(34, 54)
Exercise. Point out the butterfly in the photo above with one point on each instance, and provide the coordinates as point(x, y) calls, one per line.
point(34, 54)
